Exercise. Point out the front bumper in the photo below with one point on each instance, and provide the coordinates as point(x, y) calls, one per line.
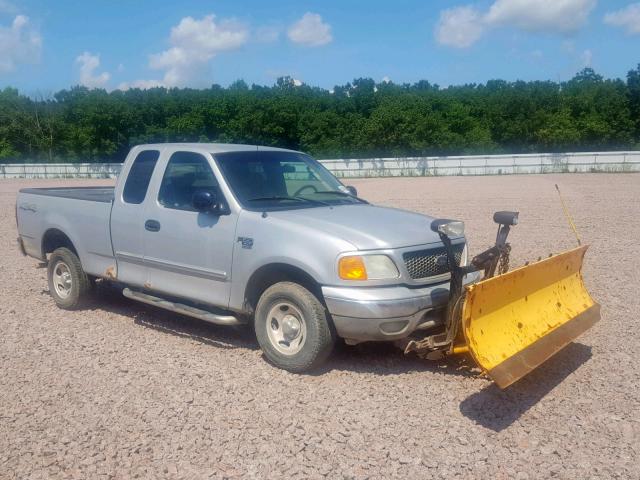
point(362, 314)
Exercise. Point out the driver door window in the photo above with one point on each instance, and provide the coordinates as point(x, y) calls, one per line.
point(186, 173)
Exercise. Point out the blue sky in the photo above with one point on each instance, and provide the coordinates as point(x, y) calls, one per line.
point(46, 46)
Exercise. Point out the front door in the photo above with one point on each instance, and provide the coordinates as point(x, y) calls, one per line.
point(188, 253)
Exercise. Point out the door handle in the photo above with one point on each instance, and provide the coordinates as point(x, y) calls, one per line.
point(152, 225)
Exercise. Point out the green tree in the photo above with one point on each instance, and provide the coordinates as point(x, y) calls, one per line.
point(359, 119)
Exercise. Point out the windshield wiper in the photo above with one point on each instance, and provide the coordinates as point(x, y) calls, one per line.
point(284, 197)
point(342, 194)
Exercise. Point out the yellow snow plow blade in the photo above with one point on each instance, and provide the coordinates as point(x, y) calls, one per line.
point(515, 321)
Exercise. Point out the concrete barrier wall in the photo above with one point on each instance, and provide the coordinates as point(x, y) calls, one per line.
point(60, 170)
point(487, 164)
point(389, 167)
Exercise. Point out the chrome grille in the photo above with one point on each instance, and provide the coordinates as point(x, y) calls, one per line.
point(429, 263)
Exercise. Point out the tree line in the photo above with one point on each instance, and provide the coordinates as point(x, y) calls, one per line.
point(357, 120)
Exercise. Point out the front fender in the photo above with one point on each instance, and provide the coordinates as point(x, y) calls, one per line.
point(262, 241)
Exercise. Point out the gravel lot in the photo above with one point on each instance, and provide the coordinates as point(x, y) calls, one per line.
point(123, 390)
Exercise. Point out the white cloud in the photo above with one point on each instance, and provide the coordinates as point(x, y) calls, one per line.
point(459, 27)
point(193, 44)
point(19, 43)
point(310, 31)
point(89, 63)
point(463, 26)
point(541, 15)
point(386, 79)
point(297, 83)
point(627, 18)
point(586, 58)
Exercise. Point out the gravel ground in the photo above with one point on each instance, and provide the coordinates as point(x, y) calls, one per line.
point(123, 390)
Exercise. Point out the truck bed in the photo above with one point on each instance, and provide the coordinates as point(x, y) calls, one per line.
point(89, 194)
point(81, 213)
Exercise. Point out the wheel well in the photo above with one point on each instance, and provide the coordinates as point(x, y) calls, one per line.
point(273, 273)
point(54, 238)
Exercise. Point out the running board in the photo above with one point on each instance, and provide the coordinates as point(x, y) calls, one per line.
point(205, 315)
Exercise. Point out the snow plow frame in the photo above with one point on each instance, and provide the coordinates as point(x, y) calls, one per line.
point(511, 321)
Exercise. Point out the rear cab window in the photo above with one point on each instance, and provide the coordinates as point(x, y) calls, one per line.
point(137, 184)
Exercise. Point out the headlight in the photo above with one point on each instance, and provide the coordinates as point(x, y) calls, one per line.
point(367, 267)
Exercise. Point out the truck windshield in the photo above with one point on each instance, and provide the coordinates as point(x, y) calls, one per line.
point(275, 180)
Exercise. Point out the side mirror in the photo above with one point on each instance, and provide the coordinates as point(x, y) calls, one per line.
point(205, 201)
point(352, 190)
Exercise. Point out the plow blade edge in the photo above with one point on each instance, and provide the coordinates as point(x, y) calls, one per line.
point(515, 321)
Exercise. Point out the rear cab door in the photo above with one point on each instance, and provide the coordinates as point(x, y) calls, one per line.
point(127, 225)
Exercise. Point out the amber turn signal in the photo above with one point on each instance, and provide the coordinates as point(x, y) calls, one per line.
point(352, 268)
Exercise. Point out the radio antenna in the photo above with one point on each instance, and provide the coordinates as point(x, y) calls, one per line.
point(568, 215)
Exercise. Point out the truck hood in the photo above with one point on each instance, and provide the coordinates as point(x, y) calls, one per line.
point(367, 227)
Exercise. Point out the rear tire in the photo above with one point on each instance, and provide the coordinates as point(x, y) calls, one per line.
point(69, 285)
point(293, 327)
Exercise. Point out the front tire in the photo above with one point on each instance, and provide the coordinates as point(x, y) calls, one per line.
point(69, 285)
point(293, 327)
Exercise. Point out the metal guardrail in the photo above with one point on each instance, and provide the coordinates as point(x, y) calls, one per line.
point(389, 167)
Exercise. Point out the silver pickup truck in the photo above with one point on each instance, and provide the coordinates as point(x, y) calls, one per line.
point(240, 234)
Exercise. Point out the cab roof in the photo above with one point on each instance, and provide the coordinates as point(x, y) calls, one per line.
point(212, 147)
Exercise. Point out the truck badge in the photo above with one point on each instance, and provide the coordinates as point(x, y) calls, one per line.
point(247, 242)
